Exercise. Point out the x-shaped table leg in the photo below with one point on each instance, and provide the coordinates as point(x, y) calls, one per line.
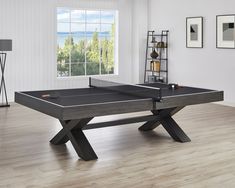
point(164, 117)
point(72, 130)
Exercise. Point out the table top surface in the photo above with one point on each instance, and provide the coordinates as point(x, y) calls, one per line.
point(94, 95)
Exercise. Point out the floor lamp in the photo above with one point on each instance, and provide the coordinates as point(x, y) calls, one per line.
point(5, 45)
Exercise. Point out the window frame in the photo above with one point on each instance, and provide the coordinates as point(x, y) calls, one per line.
point(116, 43)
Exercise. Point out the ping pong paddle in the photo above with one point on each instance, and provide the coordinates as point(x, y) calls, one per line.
point(173, 86)
point(51, 95)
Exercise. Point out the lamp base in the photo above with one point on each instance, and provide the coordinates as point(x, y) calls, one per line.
point(4, 105)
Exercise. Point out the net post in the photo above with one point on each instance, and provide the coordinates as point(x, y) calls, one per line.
point(89, 81)
point(158, 97)
point(160, 94)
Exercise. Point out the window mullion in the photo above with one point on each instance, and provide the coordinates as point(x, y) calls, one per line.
point(100, 46)
point(70, 35)
point(85, 43)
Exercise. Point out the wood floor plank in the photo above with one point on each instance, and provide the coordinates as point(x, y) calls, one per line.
point(127, 157)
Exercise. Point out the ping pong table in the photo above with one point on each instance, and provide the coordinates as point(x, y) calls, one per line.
point(75, 108)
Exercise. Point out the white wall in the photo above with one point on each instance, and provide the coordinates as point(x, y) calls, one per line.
point(207, 67)
point(139, 32)
point(32, 26)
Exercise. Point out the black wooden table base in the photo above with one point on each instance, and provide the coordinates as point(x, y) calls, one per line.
point(73, 130)
point(164, 117)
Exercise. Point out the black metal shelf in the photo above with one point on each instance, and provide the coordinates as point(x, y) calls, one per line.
point(152, 40)
point(151, 59)
point(157, 71)
point(157, 47)
point(158, 35)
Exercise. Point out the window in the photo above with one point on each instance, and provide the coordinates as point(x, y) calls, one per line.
point(86, 41)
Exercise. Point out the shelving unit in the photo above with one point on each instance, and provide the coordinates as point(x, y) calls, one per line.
point(156, 68)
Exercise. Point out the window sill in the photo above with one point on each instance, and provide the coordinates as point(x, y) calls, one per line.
point(86, 77)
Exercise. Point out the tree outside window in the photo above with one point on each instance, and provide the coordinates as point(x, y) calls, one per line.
point(85, 42)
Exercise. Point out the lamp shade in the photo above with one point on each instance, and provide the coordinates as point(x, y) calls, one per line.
point(5, 45)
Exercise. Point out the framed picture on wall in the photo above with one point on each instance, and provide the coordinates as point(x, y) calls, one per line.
point(194, 32)
point(225, 36)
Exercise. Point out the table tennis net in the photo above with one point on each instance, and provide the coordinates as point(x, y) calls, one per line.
point(129, 89)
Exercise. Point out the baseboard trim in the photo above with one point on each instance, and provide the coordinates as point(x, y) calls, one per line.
point(225, 103)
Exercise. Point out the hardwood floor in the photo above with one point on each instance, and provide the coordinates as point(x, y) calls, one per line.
point(127, 157)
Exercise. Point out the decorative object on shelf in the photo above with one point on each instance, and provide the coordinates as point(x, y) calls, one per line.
point(194, 32)
point(225, 37)
point(155, 66)
point(154, 54)
point(5, 45)
point(161, 45)
point(152, 65)
point(156, 59)
point(152, 79)
point(153, 40)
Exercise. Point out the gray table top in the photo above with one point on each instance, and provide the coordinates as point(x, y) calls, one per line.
point(81, 96)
